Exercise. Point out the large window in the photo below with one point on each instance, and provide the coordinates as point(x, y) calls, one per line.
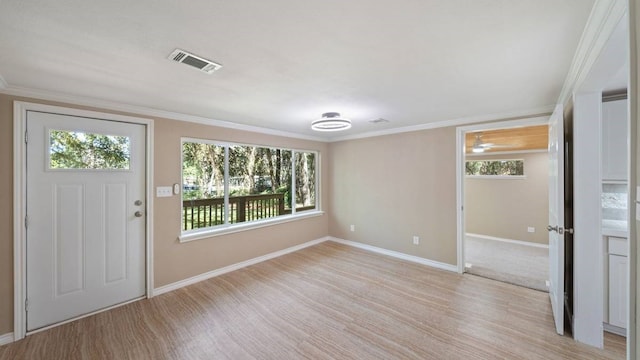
point(225, 184)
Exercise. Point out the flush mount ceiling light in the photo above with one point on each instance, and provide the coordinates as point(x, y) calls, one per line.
point(331, 121)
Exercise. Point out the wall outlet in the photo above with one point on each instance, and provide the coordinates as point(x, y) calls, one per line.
point(164, 191)
point(353, 228)
point(531, 229)
point(416, 240)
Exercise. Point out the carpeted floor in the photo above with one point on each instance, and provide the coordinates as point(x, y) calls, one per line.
point(512, 263)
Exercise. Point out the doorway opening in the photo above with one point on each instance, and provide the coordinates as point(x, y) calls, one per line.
point(505, 197)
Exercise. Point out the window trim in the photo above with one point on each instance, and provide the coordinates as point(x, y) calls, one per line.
point(213, 231)
point(217, 230)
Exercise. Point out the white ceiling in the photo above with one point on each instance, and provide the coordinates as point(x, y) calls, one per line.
point(285, 61)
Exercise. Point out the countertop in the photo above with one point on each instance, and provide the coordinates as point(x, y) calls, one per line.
point(614, 228)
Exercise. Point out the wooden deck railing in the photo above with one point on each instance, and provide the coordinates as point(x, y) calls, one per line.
point(210, 212)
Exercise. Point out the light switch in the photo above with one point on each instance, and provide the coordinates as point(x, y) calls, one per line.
point(164, 191)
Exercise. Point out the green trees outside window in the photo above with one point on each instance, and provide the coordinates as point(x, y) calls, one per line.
point(78, 150)
point(228, 183)
point(495, 167)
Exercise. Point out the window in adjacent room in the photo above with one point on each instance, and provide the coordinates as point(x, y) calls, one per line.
point(495, 168)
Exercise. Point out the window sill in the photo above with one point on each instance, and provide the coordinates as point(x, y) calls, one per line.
point(230, 229)
point(497, 177)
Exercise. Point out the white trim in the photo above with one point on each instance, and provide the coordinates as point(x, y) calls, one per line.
point(6, 339)
point(460, 170)
point(84, 316)
point(150, 184)
point(145, 111)
point(614, 329)
point(543, 111)
point(233, 228)
point(210, 274)
point(460, 174)
point(397, 255)
point(510, 241)
point(20, 109)
point(508, 152)
point(605, 16)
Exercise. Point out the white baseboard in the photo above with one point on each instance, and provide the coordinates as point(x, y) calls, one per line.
point(398, 255)
point(6, 339)
point(614, 329)
point(518, 242)
point(195, 279)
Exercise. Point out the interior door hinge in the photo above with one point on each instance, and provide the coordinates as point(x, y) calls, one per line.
point(26, 304)
point(26, 221)
point(26, 137)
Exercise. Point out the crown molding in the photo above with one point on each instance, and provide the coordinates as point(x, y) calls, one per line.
point(514, 115)
point(3, 83)
point(144, 111)
point(605, 16)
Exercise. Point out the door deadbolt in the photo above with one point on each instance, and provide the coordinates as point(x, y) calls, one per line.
point(138, 202)
point(138, 214)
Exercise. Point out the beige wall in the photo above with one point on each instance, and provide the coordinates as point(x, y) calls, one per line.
point(172, 261)
point(505, 208)
point(6, 215)
point(396, 186)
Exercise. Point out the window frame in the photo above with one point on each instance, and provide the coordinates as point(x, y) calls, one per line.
point(228, 228)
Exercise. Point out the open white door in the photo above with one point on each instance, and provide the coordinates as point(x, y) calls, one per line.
point(556, 216)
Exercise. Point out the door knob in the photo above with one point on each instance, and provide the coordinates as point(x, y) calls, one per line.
point(137, 202)
point(138, 214)
point(552, 228)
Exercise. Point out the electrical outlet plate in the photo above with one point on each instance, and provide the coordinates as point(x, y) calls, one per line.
point(416, 240)
point(353, 228)
point(531, 229)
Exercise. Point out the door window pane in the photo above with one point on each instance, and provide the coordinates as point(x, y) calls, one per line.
point(79, 150)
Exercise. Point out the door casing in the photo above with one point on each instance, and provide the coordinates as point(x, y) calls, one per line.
point(20, 109)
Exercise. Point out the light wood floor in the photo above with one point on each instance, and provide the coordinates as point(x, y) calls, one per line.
point(325, 302)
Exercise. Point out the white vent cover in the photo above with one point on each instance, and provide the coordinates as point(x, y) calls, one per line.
point(204, 65)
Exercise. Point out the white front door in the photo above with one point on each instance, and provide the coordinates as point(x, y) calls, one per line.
point(85, 216)
point(556, 217)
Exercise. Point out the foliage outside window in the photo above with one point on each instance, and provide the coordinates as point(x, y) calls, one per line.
point(227, 184)
point(494, 168)
point(78, 150)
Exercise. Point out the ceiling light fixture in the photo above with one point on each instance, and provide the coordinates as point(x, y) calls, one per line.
point(331, 121)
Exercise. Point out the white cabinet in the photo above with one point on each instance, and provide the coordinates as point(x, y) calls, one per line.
point(618, 278)
point(614, 140)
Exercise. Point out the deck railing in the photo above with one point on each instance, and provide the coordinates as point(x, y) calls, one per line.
point(210, 212)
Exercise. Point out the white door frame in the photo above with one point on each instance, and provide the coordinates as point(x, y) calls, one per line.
point(20, 109)
point(460, 159)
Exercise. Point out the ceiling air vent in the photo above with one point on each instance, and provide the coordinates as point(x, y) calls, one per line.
point(197, 62)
